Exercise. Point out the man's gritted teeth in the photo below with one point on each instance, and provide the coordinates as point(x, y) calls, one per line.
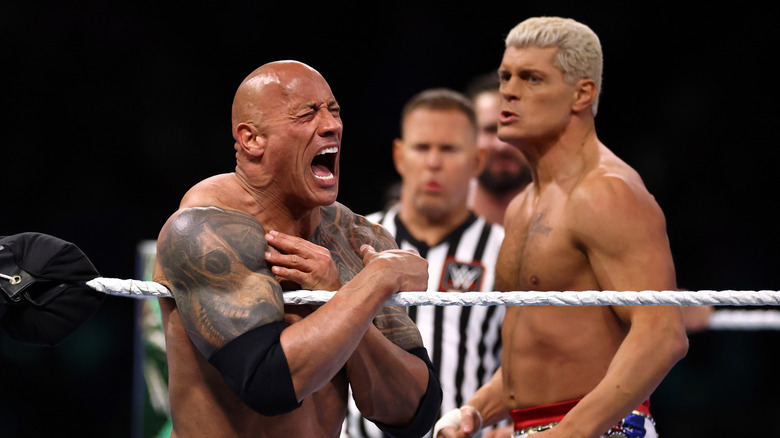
point(323, 166)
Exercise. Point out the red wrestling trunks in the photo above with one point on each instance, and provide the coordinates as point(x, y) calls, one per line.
point(552, 414)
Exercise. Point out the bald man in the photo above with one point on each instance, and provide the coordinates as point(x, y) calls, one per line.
point(241, 363)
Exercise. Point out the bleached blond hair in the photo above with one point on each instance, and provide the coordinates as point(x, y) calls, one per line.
point(579, 49)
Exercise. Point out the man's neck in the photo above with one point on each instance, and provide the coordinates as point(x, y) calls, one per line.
point(431, 230)
point(566, 158)
point(275, 212)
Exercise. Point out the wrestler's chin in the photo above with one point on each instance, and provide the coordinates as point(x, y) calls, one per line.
point(512, 136)
point(325, 192)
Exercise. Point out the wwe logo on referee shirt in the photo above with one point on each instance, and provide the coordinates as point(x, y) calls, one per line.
point(461, 277)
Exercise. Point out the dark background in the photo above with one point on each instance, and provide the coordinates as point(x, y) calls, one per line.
point(112, 110)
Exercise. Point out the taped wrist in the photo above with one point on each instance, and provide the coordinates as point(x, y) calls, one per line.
point(255, 368)
point(427, 410)
point(450, 419)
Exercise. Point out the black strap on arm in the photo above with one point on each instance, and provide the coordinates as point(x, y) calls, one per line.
point(428, 409)
point(255, 368)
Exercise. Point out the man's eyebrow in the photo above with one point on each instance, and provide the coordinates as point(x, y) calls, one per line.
point(313, 105)
point(302, 106)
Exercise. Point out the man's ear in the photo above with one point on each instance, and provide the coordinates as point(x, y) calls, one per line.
point(481, 158)
point(398, 155)
point(584, 94)
point(249, 140)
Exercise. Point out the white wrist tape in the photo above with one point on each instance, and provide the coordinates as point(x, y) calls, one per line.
point(453, 419)
point(450, 419)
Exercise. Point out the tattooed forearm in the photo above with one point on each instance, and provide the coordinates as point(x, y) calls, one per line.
point(214, 261)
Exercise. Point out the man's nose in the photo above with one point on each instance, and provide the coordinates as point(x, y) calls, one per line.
point(433, 158)
point(508, 90)
point(330, 125)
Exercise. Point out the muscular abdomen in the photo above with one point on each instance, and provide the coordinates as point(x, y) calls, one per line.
point(545, 347)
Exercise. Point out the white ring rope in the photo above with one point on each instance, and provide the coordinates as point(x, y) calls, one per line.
point(719, 320)
point(145, 289)
point(129, 288)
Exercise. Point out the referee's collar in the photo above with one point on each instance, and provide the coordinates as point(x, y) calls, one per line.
point(453, 237)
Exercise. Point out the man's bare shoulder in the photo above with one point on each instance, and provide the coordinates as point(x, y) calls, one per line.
point(611, 187)
point(188, 221)
point(219, 190)
point(193, 230)
point(188, 224)
point(213, 261)
point(613, 197)
point(216, 191)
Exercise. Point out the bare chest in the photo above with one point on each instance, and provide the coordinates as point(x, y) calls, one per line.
point(540, 252)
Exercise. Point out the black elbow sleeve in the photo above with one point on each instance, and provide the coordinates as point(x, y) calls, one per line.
point(427, 411)
point(255, 368)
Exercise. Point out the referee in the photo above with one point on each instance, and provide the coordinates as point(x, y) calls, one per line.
point(437, 157)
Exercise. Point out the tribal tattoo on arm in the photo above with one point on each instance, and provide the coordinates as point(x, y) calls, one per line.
point(343, 233)
point(213, 259)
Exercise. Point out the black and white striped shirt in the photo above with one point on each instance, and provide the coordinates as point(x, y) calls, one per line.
point(464, 342)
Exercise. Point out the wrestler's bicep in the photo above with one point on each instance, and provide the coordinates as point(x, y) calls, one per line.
point(394, 323)
point(382, 239)
point(362, 231)
point(214, 261)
